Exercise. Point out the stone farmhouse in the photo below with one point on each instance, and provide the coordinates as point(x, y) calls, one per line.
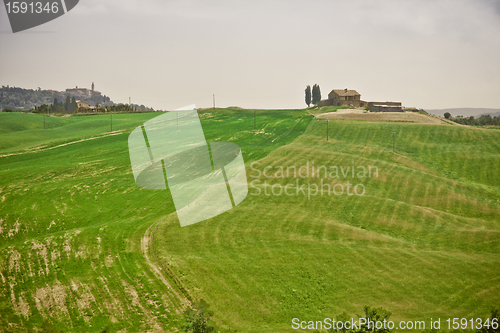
point(348, 97)
point(338, 97)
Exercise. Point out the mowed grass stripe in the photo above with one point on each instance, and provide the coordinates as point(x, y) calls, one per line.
point(260, 256)
point(421, 142)
point(397, 182)
point(271, 258)
point(411, 245)
point(87, 187)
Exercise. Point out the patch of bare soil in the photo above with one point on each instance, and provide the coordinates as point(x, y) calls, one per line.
point(356, 114)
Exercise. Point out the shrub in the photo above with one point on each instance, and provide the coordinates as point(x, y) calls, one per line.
point(371, 314)
point(199, 319)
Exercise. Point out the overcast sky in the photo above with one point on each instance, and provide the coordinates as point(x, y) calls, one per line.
point(262, 53)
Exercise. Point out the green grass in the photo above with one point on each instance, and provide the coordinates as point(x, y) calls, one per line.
point(72, 221)
point(21, 131)
point(423, 241)
point(325, 109)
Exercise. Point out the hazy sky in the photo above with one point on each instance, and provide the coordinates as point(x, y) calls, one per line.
point(262, 54)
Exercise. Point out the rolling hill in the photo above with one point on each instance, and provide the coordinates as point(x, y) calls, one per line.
point(85, 250)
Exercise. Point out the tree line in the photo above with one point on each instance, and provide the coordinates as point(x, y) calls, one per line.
point(68, 106)
point(484, 120)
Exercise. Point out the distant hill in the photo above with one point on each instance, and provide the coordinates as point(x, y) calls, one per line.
point(496, 114)
point(16, 98)
point(466, 112)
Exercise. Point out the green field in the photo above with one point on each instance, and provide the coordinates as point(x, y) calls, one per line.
point(84, 249)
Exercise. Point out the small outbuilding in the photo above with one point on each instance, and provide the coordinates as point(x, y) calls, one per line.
point(385, 106)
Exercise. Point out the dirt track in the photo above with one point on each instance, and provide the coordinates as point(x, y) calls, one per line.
point(43, 148)
point(356, 114)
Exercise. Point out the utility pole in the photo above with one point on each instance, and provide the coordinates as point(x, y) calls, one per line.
point(254, 121)
point(393, 141)
point(214, 100)
point(327, 130)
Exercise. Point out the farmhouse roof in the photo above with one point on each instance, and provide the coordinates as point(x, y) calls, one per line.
point(346, 92)
point(82, 103)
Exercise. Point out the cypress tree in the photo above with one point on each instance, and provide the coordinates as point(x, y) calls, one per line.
point(55, 105)
point(67, 104)
point(73, 106)
point(316, 94)
point(308, 95)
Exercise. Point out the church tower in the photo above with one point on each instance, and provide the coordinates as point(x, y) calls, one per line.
point(92, 86)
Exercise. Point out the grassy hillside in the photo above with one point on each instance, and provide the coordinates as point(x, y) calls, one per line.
point(24, 131)
point(84, 249)
point(72, 222)
point(422, 242)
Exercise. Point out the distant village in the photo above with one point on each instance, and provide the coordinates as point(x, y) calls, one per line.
point(87, 94)
point(19, 99)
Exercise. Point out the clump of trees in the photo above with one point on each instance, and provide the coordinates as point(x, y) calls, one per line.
point(120, 108)
point(484, 120)
point(44, 108)
point(68, 106)
point(312, 96)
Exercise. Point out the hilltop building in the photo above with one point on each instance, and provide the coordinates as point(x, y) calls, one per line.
point(84, 92)
point(352, 98)
point(338, 97)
